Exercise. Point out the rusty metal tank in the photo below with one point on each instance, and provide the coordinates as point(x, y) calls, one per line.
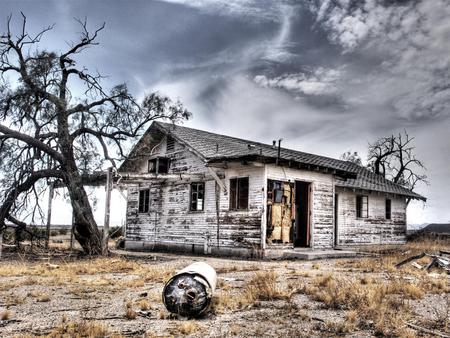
point(189, 292)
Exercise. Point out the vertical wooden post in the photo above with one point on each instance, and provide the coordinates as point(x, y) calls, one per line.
point(1, 242)
point(107, 210)
point(71, 232)
point(49, 213)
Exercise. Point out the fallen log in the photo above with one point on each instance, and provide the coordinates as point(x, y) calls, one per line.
point(425, 330)
point(409, 259)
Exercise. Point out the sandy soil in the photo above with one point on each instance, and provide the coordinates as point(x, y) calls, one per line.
point(41, 295)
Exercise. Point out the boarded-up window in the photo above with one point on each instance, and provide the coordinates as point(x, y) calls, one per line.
point(158, 165)
point(239, 193)
point(362, 206)
point(388, 208)
point(144, 199)
point(197, 196)
point(170, 146)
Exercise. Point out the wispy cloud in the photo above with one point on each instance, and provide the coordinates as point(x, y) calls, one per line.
point(321, 81)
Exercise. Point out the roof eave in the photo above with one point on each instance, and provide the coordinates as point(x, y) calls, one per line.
point(284, 162)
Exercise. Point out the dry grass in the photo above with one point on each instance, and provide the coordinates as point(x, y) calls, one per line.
point(389, 256)
point(82, 329)
point(97, 273)
point(144, 305)
point(5, 315)
point(187, 328)
point(129, 312)
point(263, 286)
point(41, 297)
point(376, 305)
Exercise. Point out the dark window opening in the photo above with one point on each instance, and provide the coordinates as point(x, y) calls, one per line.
point(388, 208)
point(170, 145)
point(158, 165)
point(239, 193)
point(197, 196)
point(144, 201)
point(362, 206)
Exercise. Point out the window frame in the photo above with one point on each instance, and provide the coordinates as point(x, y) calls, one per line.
point(158, 165)
point(144, 201)
point(237, 193)
point(360, 206)
point(388, 210)
point(191, 192)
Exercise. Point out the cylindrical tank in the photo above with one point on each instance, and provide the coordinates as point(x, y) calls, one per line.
point(190, 291)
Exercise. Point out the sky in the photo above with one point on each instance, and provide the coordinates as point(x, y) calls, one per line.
point(326, 76)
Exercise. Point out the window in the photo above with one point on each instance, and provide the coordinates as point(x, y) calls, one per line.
point(388, 208)
point(197, 196)
point(144, 199)
point(362, 206)
point(170, 145)
point(158, 165)
point(239, 193)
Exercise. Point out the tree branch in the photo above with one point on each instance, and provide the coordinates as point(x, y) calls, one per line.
point(33, 142)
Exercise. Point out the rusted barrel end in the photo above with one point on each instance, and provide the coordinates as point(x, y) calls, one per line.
point(189, 292)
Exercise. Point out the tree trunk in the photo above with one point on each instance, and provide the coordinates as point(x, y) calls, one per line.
point(85, 228)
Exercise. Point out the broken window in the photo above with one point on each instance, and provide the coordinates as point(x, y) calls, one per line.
point(159, 165)
point(362, 206)
point(388, 208)
point(144, 200)
point(197, 196)
point(239, 193)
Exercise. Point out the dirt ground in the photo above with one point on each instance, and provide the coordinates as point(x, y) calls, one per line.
point(60, 295)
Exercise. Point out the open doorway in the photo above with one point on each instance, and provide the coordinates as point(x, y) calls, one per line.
point(302, 233)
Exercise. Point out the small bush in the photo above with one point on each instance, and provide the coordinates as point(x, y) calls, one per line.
point(264, 286)
point(129, 312)
point(5, 315)
point(187, 328)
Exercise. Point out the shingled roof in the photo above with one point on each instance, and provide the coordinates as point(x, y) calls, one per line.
point(213, 148)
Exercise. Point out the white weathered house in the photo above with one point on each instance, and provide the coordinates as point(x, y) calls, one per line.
point(196, 191)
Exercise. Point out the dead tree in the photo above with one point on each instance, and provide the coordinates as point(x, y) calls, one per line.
point(351, 157)
point(393, 157)
point(50, 132)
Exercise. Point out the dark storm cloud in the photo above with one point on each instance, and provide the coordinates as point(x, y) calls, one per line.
point(327, 76)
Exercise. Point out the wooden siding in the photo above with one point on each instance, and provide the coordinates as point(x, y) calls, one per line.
point(375, 229)
point(169, 220)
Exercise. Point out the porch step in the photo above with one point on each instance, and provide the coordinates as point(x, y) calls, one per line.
point(308, 254)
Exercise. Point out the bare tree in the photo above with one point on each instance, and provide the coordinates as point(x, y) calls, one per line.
point(352, 156)
point(48, 133)
point(393, 157)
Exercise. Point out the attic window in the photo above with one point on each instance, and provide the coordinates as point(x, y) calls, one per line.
point(170, 146)
point(362, 206)
point(159, 165)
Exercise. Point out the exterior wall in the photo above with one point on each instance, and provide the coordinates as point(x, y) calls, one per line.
point(322, 205)
point(170, 224)
point(374, 229)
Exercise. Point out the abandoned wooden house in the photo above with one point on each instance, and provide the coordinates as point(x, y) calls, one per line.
point(196, 191)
